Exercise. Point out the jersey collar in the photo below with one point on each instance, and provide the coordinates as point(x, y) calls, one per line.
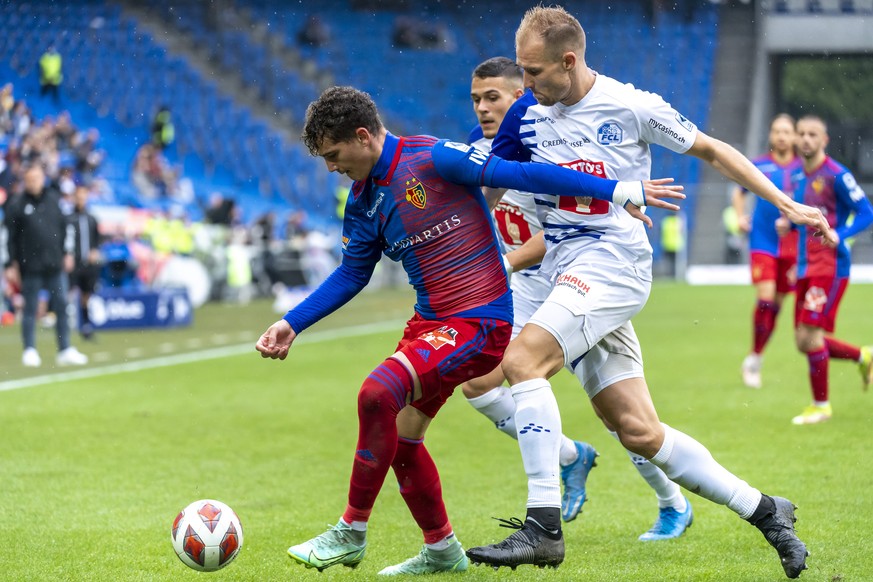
point(383, 171)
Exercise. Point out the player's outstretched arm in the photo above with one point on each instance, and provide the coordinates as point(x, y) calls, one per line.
point(736, 167)
point(344, 283)
point(463, 164)
point(276, 341)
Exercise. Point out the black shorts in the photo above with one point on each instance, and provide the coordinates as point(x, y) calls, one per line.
point(84, 278)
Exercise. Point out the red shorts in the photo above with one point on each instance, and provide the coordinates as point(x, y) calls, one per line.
point(766, 267)
point(447, 352)
point(818, 300)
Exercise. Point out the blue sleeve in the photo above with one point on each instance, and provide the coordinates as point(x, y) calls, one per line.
point(848, 189)
point(507, 143)
point(343, 284)
point(475, 135)
point(463, 164)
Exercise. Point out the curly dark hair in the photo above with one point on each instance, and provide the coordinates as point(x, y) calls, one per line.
point(336, 114)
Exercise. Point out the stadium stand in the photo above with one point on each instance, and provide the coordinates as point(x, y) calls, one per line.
point(116, 75)
point(427, 90)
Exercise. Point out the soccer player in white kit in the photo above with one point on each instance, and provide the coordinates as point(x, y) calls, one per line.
point(600, 263)
point(496, 85)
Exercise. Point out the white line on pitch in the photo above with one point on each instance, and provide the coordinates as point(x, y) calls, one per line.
point(199, 356)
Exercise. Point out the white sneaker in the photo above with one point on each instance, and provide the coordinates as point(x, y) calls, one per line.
point(752, 371)
point(31, 358)
point(71, 357)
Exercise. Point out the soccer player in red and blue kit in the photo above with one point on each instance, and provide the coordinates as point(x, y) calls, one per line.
point(417, 200)
point(772, 257)
point(823, 272)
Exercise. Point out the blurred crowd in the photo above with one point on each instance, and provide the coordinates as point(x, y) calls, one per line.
point(263, 258)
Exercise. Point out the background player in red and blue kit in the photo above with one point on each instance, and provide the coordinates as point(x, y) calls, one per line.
point(823, 272)
point(772, 257)
point(417, 200)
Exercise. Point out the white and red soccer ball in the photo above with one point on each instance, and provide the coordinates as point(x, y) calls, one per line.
point(207, 535)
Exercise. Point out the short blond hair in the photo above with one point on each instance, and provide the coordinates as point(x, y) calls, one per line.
point(559, 30)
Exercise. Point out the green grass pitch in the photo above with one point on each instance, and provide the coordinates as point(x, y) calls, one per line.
point(93, 470)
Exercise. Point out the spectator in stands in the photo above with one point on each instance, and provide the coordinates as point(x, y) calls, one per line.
point(86, 255)
point(10, 171)
point(294, 225)
point(163, 130)
point(412, 33)
point(66, 183)
point(21, 119)
point(221, 210)
point(51, 74)
point(65, 131)
point(151, 175)
point(40, 249)
point(314, 33)
point(88, 156)
point(7, 102)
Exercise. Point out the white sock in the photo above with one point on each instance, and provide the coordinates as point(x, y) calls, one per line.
point(499, 407)
point(443, 543)
point(568, 453)
point(355, 525)
point(668, 493)
point(690, 464)
point(539, 438)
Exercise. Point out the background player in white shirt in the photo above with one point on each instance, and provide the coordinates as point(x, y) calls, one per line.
point(600, 263)
point(496, 85)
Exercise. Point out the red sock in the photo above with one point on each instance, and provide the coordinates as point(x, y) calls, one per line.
point(764, 323)
point(382, 396)
point(841, 350)
point(818, 374)
point(421, 489)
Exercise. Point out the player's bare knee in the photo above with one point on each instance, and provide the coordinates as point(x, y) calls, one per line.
point(641, 437)
point(473, 389)
point(525, 362)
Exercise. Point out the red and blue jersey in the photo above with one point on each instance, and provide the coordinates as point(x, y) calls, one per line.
point(421, 205)
point(763, 237)
point(441, 232)
point(832, 189)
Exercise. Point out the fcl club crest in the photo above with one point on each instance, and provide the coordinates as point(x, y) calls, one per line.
point(416, 194)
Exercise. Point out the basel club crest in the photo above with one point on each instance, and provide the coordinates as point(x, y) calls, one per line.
point(415, 193)
point(439, 337)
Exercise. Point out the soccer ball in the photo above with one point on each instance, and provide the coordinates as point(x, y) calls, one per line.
point(207, 535)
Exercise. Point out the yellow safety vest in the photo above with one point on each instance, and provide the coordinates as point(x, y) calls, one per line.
point(50, 69)
point(672, 236)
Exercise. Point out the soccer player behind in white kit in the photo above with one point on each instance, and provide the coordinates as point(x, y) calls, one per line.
point(496, 85)
point(600, 263)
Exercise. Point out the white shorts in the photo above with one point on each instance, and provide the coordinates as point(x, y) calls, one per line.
point(528, 293)
point(589, 311)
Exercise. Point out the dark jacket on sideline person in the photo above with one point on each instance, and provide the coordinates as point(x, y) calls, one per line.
point(38, 233)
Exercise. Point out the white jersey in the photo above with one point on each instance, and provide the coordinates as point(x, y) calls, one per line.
point(515, 218)
point(606, 134)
